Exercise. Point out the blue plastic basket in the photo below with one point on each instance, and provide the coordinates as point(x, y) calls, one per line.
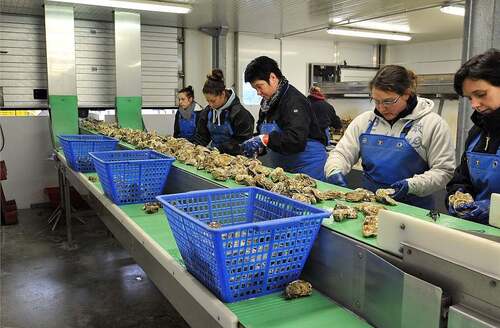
point(262, 245)
point(132, 176)
point(76, 148)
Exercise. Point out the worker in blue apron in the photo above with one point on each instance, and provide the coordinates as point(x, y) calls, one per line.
point(224, 124)
point(186, 117)
point(289, 135)
point(402, 144)
point(387, 160)
point(479, 171)
point(325, 113)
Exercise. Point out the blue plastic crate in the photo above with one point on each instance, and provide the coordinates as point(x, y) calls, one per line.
point(262, 245)
point(76, 148)
point(132, 176)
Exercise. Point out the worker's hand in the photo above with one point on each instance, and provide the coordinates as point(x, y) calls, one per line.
point(477, 211)
point(255, 145)
point(401, 189)
point(337, 178)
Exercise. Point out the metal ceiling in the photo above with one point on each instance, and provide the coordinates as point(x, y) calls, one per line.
point(276, 17)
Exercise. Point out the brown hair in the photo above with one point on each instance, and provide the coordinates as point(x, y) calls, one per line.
point(394, 78)
point(214, 85)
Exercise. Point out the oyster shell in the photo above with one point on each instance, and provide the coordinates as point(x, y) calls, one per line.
point(305, 180)
point(304, 198)
point(369, 209)
point(298, 288)
point(93, 178)
point(278, 174)
point(459, 199)
point(244, 179)
point(370, 226)
point(383, 196)
point(327, 195)
point(359, 195)
point(220, 173)
point(342, 212)
point(152, 207)
point(263, 182)
point(280, 188)
point(222, 160)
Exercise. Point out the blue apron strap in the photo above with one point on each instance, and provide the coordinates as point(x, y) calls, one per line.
point(474, 142)
point(406, 129)
point(210, 115)
point(370, 126)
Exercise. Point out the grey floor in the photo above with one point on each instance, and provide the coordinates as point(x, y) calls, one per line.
point(96, 285)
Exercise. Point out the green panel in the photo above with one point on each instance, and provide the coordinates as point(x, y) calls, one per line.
point(315, 311)
point(128, 112)
point(63, 116)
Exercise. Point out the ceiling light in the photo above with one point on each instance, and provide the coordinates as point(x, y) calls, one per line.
point(373, 25)
point(134, 5)
point(368, 34)
point(453, 10)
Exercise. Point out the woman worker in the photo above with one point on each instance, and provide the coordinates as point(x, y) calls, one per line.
point(479, 171)
point(325, 113)
point(187, 115)
point(287, 127)
point(402, 144)
point(224, 124)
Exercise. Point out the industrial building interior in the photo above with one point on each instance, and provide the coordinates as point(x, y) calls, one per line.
point(71, 256)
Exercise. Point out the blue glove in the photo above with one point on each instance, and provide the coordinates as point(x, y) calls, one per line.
point(401, 189)
point(337, 179)
point(254, 146)
point(477, 211)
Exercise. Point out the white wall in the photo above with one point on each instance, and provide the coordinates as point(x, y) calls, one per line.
point(436, 57)
point(27, 149)
point(198, 61)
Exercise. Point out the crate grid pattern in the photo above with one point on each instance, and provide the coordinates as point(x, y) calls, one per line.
point(240, 262)
point(76, 149)
point(132, 176)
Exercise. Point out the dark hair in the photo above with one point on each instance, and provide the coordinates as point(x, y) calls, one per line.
point(214, 85)
point(261, 68)
point(485, 66)
point(188, 91)
point(394, 78)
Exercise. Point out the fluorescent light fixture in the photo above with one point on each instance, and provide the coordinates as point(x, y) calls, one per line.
point(373, 25)
point(453, 10)
point(369, 34)
point(134, 5)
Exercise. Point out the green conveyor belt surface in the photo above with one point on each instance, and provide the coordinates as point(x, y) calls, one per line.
point(270, 311)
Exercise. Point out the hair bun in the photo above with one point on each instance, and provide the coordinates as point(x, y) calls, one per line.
point(190, 88)
point(216, 75)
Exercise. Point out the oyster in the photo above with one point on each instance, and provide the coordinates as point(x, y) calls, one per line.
point(298, 288)
point(304, 198)
point(359, 195)
point(342, 212)
point(93, 178)
point(222, 160)
point(278, 174)
point(214, 225)
point(259, 169)
point(244, 179)
point(369, 209)
point(152, 207)
point(383, 196)
point(327, 195)
point(280, 188)
point(237, 169)
point(459, 199)
point(305, 180)
point(263, 182)
point(370, 226)
point(220, 173)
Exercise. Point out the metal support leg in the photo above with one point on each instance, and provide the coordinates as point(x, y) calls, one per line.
point(67, 208)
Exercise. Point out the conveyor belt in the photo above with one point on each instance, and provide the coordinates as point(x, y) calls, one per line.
point(269, 311)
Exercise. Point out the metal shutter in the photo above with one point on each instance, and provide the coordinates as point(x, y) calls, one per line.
point(159, 65)
point(23, 63)
point(95, 63)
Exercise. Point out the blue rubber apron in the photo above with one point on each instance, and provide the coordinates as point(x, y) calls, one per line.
point(484, 171)
point(311, 161)
point(219, 133)
point(389, 159)
point(187, 127)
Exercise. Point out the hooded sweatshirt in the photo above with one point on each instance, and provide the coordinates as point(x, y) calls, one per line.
point(429, 135)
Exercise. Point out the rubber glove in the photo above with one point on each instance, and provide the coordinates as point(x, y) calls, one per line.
point(337, 178)
point(477, 211)
point(401, 189)
point(255, 146)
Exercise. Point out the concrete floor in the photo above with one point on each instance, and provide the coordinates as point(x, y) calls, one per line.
point(96, 285)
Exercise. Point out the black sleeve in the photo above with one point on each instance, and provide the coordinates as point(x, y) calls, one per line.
point(461, 177)
point(295, 119)
point(177, 130)
point(202, 135)
point(260, 120)
point(334, 119)
point(242, 124)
